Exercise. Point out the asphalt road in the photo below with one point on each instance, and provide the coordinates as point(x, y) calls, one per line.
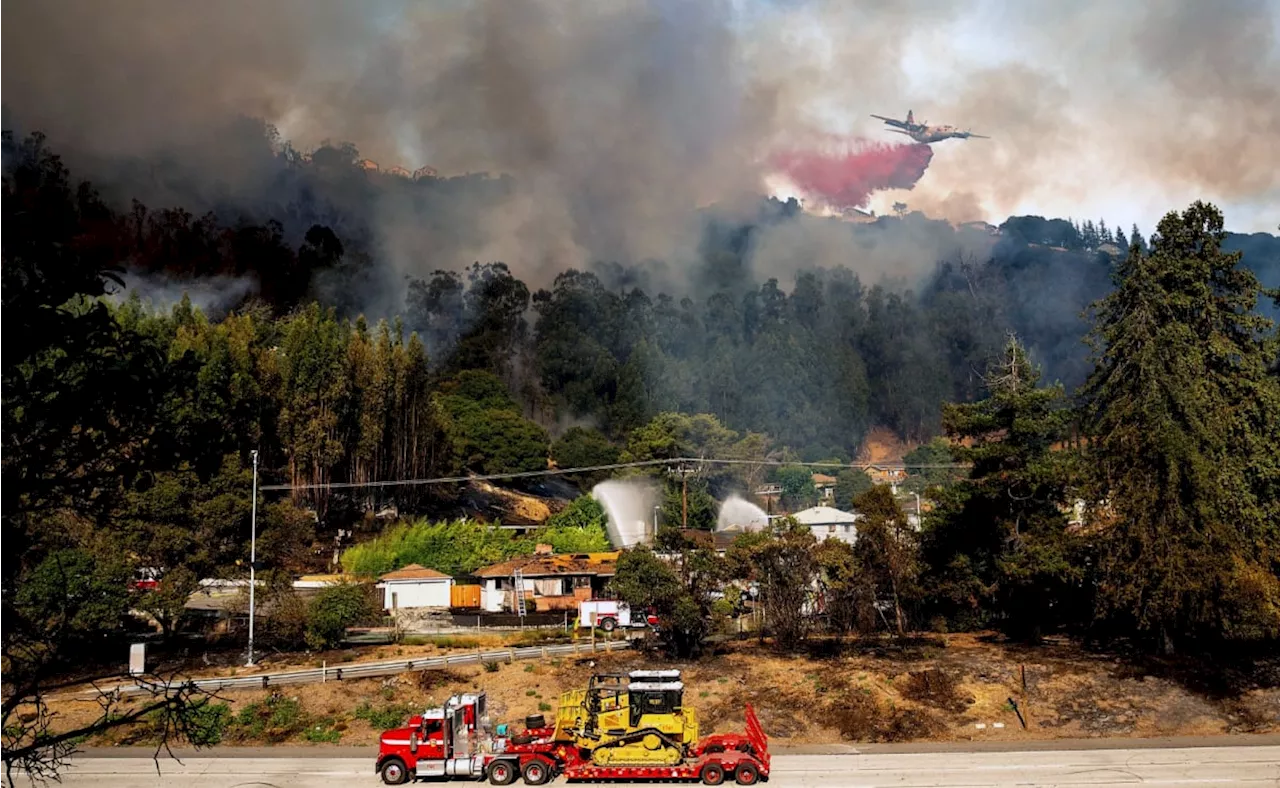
point(1148, 766)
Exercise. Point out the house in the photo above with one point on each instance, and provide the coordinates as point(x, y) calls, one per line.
point(550, 581)
point(825, 485)
point(322, 581)
point(824, 521)
point(885, 473)
point(415, 586)
point(718, 540)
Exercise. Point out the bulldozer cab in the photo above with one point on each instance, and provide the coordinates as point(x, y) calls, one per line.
point(654, 697)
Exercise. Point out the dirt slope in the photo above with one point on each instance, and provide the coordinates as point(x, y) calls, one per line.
point(937, 689)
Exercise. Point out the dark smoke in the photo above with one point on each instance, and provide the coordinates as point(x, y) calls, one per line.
point(621, 123)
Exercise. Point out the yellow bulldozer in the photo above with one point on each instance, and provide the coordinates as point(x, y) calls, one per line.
point(632, 719)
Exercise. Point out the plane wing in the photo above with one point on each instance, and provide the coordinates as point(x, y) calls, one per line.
point(891, 121)
point(980, 136)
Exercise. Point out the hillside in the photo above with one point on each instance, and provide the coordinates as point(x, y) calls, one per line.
point(930, 688)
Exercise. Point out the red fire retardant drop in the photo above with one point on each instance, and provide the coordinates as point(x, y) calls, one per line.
point(847, 180)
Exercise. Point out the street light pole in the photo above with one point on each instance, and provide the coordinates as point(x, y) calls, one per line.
point(917, 495)
point(253, 551)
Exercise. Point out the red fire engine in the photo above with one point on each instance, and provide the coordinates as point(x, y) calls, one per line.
point(457, 741)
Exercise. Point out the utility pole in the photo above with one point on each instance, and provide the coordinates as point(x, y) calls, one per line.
point(684, 499)
point(253, 551)
point(684, 471)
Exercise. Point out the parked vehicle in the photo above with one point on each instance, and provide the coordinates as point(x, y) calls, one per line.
point(610, 614)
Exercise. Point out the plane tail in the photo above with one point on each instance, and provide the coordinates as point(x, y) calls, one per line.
point(911, 118)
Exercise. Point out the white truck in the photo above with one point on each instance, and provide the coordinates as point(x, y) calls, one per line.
point(609, 614)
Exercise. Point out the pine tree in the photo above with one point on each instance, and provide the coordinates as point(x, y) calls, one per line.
point(1184, 424)
point(1136, 239)
point(1000, 535)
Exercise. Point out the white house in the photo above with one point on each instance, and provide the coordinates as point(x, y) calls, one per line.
point(415, 586)
point(824, 521)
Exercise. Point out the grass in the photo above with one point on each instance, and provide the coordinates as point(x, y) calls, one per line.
point(442, 641)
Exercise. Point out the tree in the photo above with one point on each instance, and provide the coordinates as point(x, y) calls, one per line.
point(683, 604)
point(849, 593)
point(798, 490)
point(485, 428)
point(335, 609)
point(81, 402)
point(1184, 428)
point(922, 464)
point(784, 565)
point(887, 551)
point(578, 528)
point(849, 485)
point(997, 546)
point(581, 447)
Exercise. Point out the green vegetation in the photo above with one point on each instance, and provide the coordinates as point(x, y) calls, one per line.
point(462, 546)
point(333, 610)
point(129, 433)
point(383, 718)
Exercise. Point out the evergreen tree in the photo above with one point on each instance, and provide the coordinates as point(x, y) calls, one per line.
point(997, 545)
point(1184, 427)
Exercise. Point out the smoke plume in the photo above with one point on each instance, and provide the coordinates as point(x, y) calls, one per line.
point(619, 121)
point(848, 179)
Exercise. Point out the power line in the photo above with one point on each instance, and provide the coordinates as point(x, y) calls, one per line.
point(593, 468)
point(473, 478)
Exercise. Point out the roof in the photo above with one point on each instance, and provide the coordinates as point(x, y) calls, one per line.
point(716, 540)
point(307, 581)
point(822, 478)
point(414, 572)
point(824, 515)
point(599, 564)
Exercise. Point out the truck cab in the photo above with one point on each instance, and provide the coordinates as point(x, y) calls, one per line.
point(448, 741)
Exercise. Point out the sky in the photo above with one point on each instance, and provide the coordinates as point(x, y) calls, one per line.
point(1105, 105)
point(619, 117)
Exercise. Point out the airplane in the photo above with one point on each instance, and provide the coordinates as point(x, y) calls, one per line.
point(924, 133)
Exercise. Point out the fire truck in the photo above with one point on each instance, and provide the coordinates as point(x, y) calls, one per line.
point(621, 728)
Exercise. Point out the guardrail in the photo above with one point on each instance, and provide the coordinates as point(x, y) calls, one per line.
point(361, 670)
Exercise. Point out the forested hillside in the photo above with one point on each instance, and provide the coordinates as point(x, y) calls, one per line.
point(130, 430)
point(812, 358)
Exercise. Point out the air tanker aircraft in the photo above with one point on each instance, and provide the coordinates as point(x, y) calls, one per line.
point(924, 133)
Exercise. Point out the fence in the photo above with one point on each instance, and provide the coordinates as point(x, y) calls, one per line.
point(464, 596)
point(373, 669)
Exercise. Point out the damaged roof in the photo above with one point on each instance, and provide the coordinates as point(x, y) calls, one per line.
point(598, 564)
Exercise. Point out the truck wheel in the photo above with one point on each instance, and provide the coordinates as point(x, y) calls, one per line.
point(394, 772)
point(536, 772)
point(712, 774)
point(747, 774)
point(608, 625)
point(502, 773)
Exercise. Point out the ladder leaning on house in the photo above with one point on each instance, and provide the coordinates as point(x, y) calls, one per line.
point(518, 583)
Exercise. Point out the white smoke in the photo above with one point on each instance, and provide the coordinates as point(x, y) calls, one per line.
point(630, 504)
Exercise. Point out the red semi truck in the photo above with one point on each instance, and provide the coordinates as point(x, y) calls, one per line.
point(456, 741)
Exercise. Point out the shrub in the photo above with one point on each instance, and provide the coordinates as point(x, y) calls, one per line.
point(333, 610)
point(209, 722)
point(322, 732)
point(385, 718)
point(274, 720)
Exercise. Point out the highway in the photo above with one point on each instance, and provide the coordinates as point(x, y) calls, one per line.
point(1257, 765)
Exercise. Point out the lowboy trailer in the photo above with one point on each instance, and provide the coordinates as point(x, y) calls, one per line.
point(456, 741)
